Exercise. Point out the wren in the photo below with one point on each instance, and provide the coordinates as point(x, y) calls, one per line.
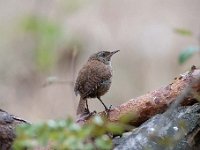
point(94, 79)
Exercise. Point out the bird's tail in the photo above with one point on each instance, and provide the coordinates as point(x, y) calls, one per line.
point(81, 106)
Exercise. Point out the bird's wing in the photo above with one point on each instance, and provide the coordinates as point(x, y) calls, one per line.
point(91, 76)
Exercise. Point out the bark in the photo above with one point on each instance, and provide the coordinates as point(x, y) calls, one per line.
point(7, 129)
point(184, 89)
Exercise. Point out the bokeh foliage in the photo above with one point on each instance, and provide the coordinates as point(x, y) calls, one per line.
point(188, 52)
point(66, 134)
point(46, 34)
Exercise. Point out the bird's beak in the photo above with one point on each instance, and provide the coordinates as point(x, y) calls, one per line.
point(112, 53)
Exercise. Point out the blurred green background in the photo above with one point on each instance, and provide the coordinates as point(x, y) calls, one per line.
point(54, 38)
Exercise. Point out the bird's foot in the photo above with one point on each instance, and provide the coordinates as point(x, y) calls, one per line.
point(86, 111)
point(108, 110)
point(83, 117)
point(91, 114)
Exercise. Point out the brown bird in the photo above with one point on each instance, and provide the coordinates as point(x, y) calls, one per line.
point(94, 79)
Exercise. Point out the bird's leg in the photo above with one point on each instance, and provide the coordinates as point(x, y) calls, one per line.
point(87, 108)
point(106, 108)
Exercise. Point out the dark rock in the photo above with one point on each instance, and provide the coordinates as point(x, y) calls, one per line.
point(176, 130)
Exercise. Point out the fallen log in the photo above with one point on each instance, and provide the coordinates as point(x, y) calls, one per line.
point(186, 88)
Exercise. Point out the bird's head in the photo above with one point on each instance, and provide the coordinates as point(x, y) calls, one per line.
point(103, 56)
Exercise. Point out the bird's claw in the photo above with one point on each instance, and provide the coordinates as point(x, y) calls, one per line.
point(87, 111)
point(87, 114)
point(108, 109)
